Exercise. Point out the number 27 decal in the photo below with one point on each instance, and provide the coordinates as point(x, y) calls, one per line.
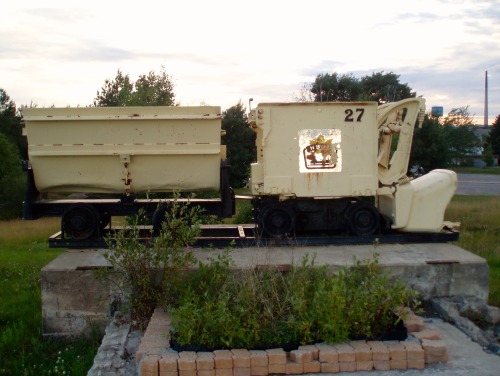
point(349, 114)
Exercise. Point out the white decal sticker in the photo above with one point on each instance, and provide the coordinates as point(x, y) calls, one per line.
point(320, 150)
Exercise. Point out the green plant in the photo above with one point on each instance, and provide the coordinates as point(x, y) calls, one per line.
point(23, 252)
point(480, 232)
point(140, 268)
point(244, 212)
point(267, 307)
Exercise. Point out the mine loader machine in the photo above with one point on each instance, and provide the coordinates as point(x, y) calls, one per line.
point(343, 166)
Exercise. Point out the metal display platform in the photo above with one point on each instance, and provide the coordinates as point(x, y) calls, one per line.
point(239, 236)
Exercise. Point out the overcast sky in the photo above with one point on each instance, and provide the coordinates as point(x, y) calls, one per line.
point(220, 52)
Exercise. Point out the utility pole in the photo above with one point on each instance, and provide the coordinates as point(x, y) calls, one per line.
point(485, 98)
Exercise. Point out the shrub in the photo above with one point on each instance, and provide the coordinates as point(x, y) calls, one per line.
point(266, 307)
point(140, 268)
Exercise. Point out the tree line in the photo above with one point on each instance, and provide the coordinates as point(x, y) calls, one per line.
point(438, 143)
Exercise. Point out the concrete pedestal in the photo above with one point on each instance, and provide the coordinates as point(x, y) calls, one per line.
point(74, 302)
point(72, 299)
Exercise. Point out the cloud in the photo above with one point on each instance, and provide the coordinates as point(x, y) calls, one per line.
point(64, 15)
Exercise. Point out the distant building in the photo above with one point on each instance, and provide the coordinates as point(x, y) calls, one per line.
point(481, 131)
point(437, 111)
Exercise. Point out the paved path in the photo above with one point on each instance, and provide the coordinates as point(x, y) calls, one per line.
point(478, 184)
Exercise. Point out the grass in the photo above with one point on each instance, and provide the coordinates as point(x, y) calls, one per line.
point(480, 233)
point(476, 170)
point(23, 252)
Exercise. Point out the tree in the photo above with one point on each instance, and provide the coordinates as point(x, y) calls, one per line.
point(115, 93)
point(430, 147)
point(458, 127)
point(335, 87)
point(11, 180)
point(459, 117)
point(240, 142)
point(494, 138)
point(154, 90)
point(381, 87)
point(150, 89)
point(488, 155)
point(10, 124)
point(384, 87)
point(461, 142)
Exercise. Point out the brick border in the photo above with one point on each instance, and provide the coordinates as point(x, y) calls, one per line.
point(154, 358)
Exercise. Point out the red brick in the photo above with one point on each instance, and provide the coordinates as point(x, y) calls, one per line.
point(399, 364)
point(416, 363)
point(327, 354)
point(313, 349)
point(149, 364)
point(379, 351)
point(205, 361)
point(168, 362)
point(188, 373)
point(382, 365)
point(429, 359)
point(224, 371)
point(397, 350)
point(364, 365)
point(346, 352)
point(434, 348)
point(187, 361)
point(206, 372)
point(427, 334)
point(301, 356)
point(293, 368)
point(330, 367)
point(276, 356)
point(241, 358)
point(277, 368)
point(312, 367)
point(258, 358)
point(414, 351)
point(259, 370)
point(414, 324)
point(347, 366)
point(167, 373)
point(362, 350)
point(241, 371)
point(223, 359)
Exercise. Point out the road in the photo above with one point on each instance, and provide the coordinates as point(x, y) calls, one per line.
point(478, 184)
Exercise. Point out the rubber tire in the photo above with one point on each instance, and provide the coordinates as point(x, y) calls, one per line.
point(80, 222)
point(363, 219)
point(277, 220)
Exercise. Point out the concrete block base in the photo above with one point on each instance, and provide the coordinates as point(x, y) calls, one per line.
point(73, 300)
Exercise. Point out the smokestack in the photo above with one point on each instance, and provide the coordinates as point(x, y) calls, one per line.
point(485, 98)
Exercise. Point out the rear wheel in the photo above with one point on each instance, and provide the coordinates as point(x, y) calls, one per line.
point(276, 220)
point(80, 222)
point(362, 219)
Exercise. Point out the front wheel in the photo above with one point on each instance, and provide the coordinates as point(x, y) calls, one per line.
point(362, 219)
